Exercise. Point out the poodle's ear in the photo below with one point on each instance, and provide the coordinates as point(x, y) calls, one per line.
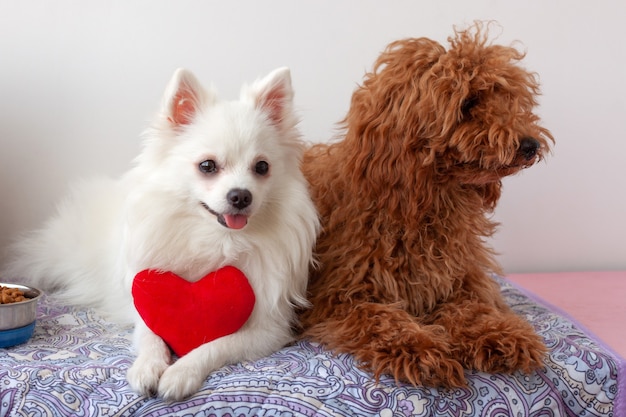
point(183, 97)
point(273, 94)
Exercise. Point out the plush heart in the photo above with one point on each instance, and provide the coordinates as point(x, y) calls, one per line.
point(188, 314)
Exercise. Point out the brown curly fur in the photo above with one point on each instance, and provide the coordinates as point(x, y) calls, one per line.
point(404, 283)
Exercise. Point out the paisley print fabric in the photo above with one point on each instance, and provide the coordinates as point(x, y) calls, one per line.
point(75, 364)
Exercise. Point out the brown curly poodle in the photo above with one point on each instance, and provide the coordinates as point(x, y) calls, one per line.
point(405, 279)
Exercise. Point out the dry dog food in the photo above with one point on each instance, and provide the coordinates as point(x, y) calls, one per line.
point(11, 295)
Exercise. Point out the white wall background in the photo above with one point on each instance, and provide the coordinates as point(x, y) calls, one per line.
point(79, 81)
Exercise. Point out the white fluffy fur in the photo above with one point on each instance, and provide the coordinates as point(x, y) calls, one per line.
point(106, 231)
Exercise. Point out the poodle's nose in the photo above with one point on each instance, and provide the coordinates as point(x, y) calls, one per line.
point(529, 147)
point(239, 198)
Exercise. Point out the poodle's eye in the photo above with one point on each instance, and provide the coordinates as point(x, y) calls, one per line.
point(468, 105)
point(208, 167)
point(262, 168)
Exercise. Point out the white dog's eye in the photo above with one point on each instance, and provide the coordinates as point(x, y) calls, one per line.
point(262, 168)
point(208, 167)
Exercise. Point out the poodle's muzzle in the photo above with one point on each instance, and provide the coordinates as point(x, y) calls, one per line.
point(528, 148)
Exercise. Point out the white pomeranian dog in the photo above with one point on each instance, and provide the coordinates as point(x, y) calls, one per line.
point(217, 183)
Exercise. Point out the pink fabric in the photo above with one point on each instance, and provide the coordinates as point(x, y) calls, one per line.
point(597, 300)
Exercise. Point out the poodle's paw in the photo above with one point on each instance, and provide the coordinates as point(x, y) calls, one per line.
point(143, 376)
point(181, 380)
point(508, 350)
point(431, 367)
point(423, 358)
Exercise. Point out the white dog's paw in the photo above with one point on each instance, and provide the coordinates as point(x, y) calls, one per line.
point(180, 381)
point(143, 377)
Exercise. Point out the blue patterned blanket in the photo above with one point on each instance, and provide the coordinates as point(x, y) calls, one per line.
point(75, 364)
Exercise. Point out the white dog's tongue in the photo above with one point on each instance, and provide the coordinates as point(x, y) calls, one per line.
point(235, 221)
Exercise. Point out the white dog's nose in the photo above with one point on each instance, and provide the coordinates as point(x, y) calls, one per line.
point(239, 198)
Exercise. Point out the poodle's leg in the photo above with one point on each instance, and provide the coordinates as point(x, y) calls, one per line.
point(490, 338)
point(385, 339)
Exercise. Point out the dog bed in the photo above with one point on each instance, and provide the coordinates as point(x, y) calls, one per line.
point(75, 364)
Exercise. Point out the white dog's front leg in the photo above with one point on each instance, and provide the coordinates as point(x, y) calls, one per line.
point(186, 376)
point(153, 358)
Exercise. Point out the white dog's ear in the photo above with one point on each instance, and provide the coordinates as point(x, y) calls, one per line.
point(273, 94)
point(183, 97)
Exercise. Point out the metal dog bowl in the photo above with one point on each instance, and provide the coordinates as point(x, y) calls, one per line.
point(17, 320)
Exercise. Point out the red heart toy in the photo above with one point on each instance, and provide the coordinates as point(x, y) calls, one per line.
point(188, 314)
